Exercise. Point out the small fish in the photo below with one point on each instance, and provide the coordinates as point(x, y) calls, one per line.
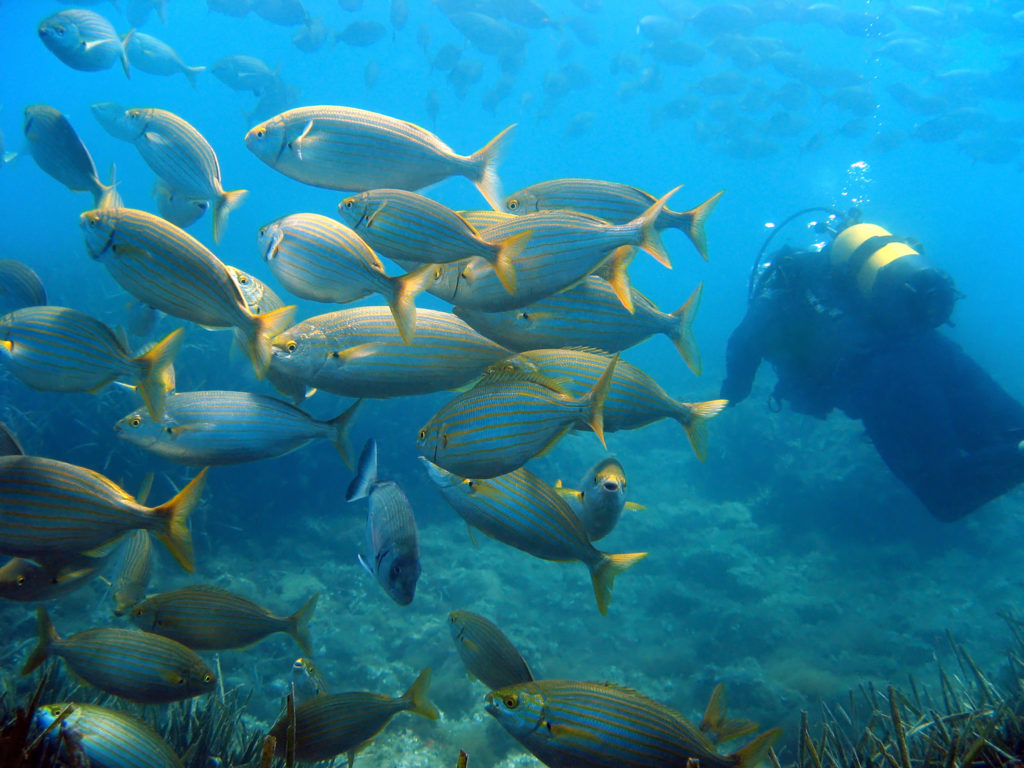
point(346, 722)
point(237, 8)
point(505, 421)
point(50, 509)
point(155, 57)
point(489, 656)
point(312, 37)
point(181, 156)
point(114, 119)
point(133, 572)
point(352, 149)
point(59, 152)
point(361, 33)
point(107, 737)
point(600, 498)
point(613, 202)
point(244, 73)
point(308, 680)
point(392, 540)
point(589, 315)
point(321, 259)
point(57, 349)
point(285, 13)
point(521, 510)
point(20, 286)
point(359, 353)
point(208, 618)
point(179, 209)
point(125, 662)
point(634, 398)
point(168, 269)
point(216, 428)
point(406, 226)
point(568, 724)
point(83, 40)
point(27, 581)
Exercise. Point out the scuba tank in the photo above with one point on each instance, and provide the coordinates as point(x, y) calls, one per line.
point(897, 285)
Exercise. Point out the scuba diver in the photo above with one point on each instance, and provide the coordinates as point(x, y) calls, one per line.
point(853, 325)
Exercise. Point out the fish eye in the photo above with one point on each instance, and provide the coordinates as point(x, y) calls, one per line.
point(423, 434)
point(396, 570)
point(437, 273)
point(135, 421)
point(260, 133)
point(180, 681)
point(243, 279)
point(348, 204)
point(524, 315)
point(291, 346)
point(511, 701)
point(208, 678)
point(20, 581)
point(512, 204)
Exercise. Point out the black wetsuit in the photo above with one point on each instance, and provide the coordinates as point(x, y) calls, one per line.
point(940, 422)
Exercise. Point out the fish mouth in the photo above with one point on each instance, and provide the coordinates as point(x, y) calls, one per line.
point(611, 486)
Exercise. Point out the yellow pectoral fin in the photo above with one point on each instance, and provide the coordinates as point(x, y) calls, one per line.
point(104, 549)
point(632, 506)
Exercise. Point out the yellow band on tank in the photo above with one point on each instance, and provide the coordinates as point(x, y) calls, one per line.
point(879, 260)
point(851, 238)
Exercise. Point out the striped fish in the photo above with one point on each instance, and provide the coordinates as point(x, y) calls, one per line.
point(352, 149)
point(133, 572)
point(521, 510)
point(406, 226)
point(321, 259)
point(108, 737)
point(392, 540)
point(489, 656)
point(181, 156)
point(20, 286)
point(563, 248)
point(568, 724)
point(485, 218)
point(216, 427)
point(50, 509)
point(83, 40)
point(178, 208)
point(506, 420)
point(309, 682)
point(125, 662)
point(27, 581)
point(600, 498)
point(208, 618)
point(611, 201)
point(346, 722)
point(359, 353)
point(589, 315)
point(170, 270)
point(57, 349)
point(634, 398)
point(59, 152)
point(155, 57)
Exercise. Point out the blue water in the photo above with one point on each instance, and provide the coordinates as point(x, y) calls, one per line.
point(791, 564)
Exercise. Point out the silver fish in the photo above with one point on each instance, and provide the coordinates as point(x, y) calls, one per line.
point(83, 40)
point(154, 56)
point(58, 151)
point(20, 286)
point(600, 497)
point(244, 73)
point(107, 736)
point(179, 209)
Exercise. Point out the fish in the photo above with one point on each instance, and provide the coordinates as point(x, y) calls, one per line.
point(214, 428)
point(49, 509)
point(107, 737)
point(566, 724)
point(179, 209)
point(307, 680)
point(20, 286)
point(508, 419)
point(407, 226)
point(285, 13)
point(140, 319)
point(58, 349)
point(125, 662)
point(83, 40)
point(113, 118)
point(589, 315)
point(359, 352)
point(482, 219)
point(521, 510)
point(208, 618)
point(59, 152)
point(133, 573)
point(111, 198)
point(634, 398)
point(318, 258)
point(356, 150)
point(361, 33)
point(613, 202)
point(488, 655)
point(313, 36)
point(237, 8)
point(600, 498)
point(564, 247)
point(168, 269)
point(27, 581)
point(153, 56)
point(346, 722)
point(244, 73)
point(181, 156)
point(392, 540)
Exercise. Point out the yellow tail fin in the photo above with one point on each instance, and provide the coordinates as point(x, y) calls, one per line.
point(757, 750)
point(341, 425)
point(503, 259)
point(263, 329)
point(417, 694)
point(681, 331)
point(47, 637)
point(156, 376)
point(692, 223)
point(485, 168)
point(604, 573)
point(174, 532)
point(222, 206)
point(298, 624)
point(716, 724)
point(651, 240)
point(403, 298)
point(694, 418)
